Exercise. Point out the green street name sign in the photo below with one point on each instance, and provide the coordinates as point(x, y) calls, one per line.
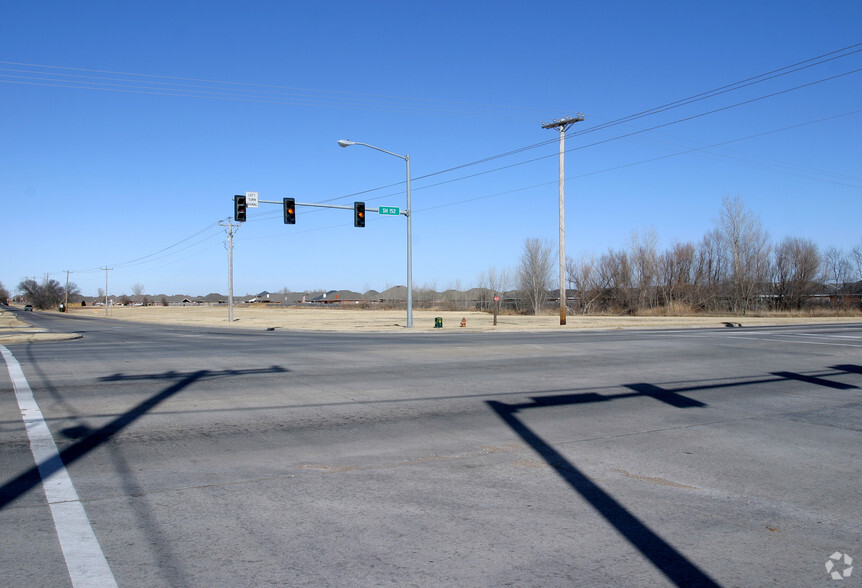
point(389, 210)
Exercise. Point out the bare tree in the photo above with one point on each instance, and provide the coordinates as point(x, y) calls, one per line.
point(423, 296)
point(747, 245)
point(710, 272)
point(856, 256)
point(534, 272)
point(734, 268)
point(582, 277)
point(839, 273)
point(495, 282)
point(838, 266)
point(46, 295)
point(676, 275)
point(138, 290)
point(644, 261)
point(455, 298)
point(796, 271)
point(613, 277)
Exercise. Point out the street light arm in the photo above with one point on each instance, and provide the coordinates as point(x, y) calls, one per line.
point(409, 215)
point(346, 143)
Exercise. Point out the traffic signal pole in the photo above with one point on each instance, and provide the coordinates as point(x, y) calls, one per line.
point(562, 125)
point(289, 205)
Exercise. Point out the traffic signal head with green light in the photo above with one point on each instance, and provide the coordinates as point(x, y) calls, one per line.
point(358, 214)
point(239, 208)
point(289, 211)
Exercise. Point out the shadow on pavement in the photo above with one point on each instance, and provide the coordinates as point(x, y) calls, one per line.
point(663, 556)
point(673, 564)
point(91, 439)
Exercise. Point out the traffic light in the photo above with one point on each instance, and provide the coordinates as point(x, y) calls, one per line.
point(239, 208)
point(289, 211)
point(358, 214)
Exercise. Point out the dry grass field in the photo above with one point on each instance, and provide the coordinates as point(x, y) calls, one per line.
point(339, 319)
point(15, 329)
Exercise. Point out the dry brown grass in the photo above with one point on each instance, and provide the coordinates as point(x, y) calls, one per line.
point(346, 319)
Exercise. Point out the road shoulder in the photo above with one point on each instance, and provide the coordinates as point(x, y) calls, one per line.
point(14, 330)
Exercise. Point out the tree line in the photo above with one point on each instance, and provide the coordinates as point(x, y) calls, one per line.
point(49, 294)
point(733, 269)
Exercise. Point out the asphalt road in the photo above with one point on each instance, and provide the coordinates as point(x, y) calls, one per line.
point(208, 457)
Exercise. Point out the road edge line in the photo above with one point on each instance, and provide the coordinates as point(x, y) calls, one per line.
point(85, 560)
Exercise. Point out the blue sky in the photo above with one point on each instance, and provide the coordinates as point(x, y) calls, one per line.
point(128, 127)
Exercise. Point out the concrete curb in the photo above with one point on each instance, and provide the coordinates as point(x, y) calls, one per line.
point(14, 330)
point(21, 336)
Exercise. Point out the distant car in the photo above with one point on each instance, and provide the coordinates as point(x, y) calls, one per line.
point(28, 307)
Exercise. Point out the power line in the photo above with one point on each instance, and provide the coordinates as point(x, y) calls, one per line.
point(796, 171)
point(205, 239)
point(811, 62)
point(311, 91)
point(180, 242)
point(611, 139)
point(688, 151)
point(136, 83)
point(786, 70)
point(191, 87)
point(146, 258)
point(603, 126)
point(206, 90)
point(671, 105)
point(666, 156)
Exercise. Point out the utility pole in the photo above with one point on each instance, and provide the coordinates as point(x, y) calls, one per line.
point(231, 228)
point(66, 303)
point(107, 269)
point(562, 125)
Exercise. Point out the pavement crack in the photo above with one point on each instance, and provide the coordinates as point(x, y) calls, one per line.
point(654, 480)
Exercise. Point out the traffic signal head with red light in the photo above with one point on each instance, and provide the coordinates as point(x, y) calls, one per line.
point(358, 214)
point(240, 206)
point(289, 211)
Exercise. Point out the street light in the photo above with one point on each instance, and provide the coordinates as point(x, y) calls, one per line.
point(408, 214)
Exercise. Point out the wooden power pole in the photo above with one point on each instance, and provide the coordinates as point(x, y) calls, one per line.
point(231, 229)
point(562, 125)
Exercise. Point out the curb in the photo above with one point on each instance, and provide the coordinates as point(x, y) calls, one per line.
point(36, 336)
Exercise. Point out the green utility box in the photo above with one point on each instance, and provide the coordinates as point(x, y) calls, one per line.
point(438, 322)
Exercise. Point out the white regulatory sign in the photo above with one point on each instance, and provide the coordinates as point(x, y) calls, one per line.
point(251, 199)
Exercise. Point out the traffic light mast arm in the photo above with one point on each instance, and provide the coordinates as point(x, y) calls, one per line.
point(289, 206)
point(280, 203)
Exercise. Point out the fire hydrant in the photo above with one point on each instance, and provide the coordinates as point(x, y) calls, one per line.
point(463, 321)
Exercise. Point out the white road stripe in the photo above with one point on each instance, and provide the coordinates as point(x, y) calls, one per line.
point(84, 557)
point(827, 336)
point(765, 336)
point(800, 341)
